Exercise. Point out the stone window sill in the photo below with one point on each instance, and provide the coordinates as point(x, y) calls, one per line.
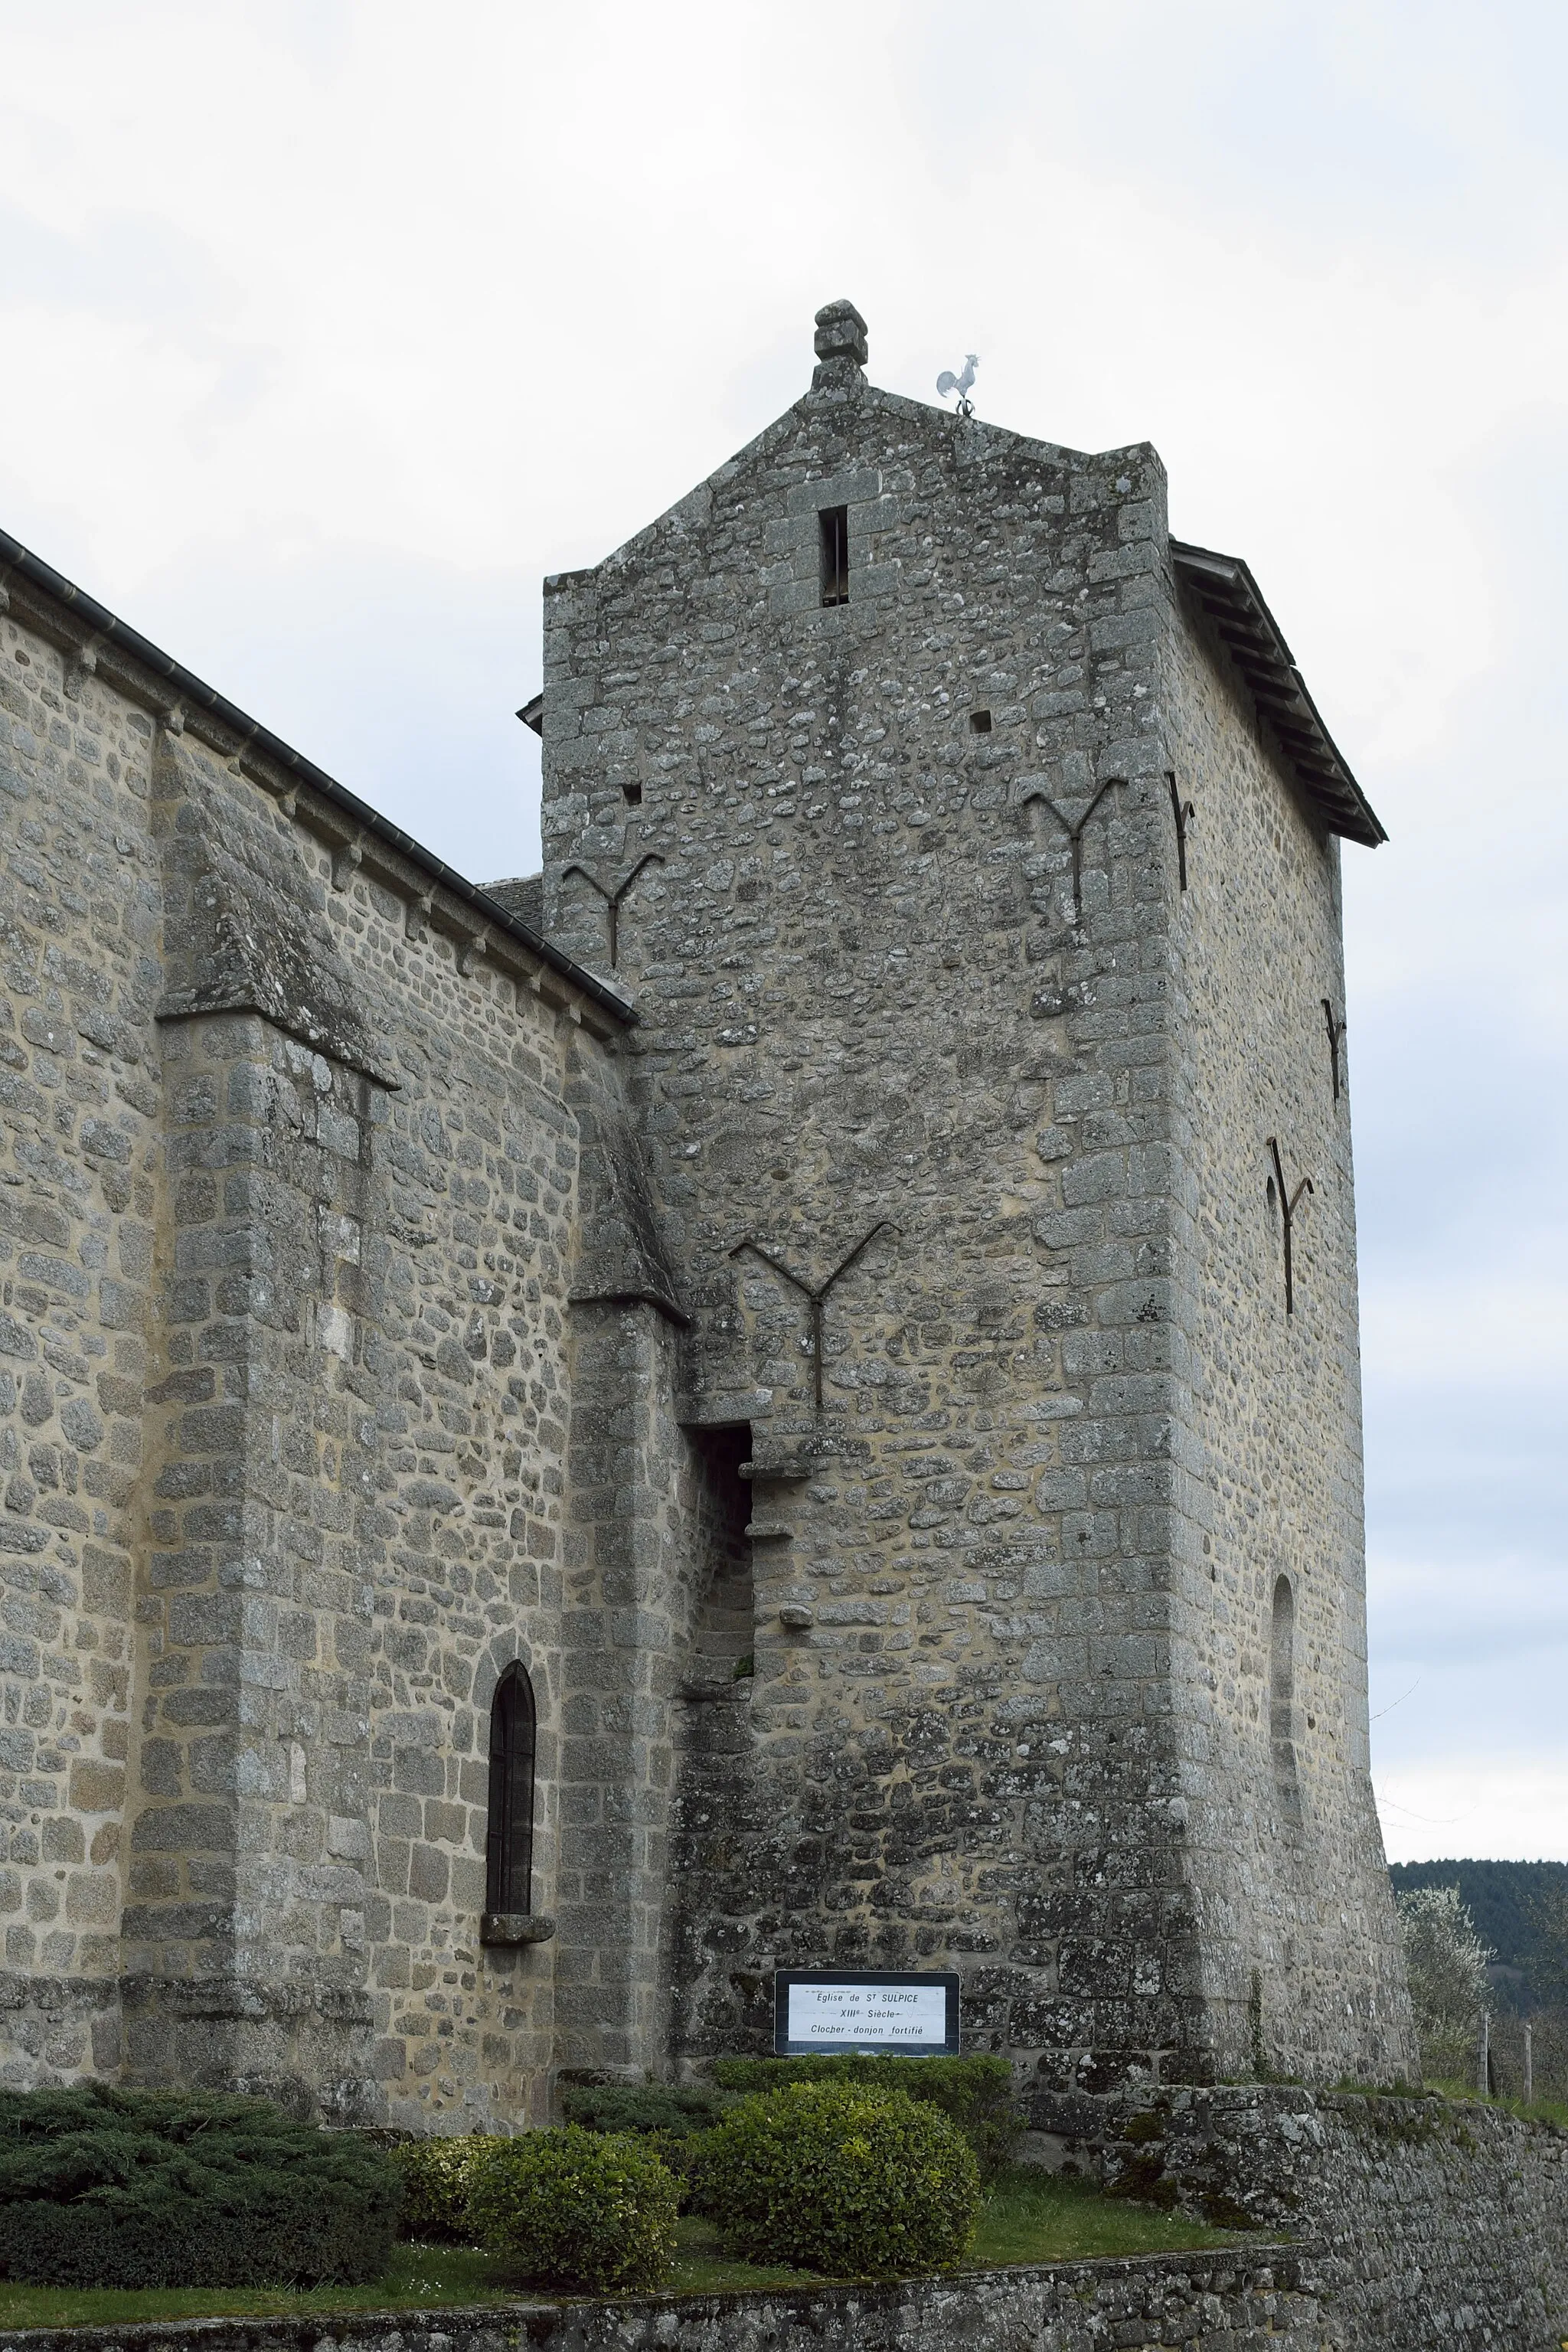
point(515, 1928)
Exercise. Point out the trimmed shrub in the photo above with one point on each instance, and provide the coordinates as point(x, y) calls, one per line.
point(435, 2175)
point(672, 2121)
point(670, 2111)
point(110, 2188)
point(590, 2210)
point(976, 2094)
point(844, 2178)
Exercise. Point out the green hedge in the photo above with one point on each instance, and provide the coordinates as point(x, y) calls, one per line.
point(673, 2122)
point(844, 2178)
point(976, 2094)
point(102, 2187)
point(434, 2171)
point(584, 2211)
point(664, 2110)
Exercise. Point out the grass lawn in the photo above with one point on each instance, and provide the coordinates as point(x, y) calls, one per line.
point(417, 2275)
point(1041, 2216)
point(1539, 2111)
point(1032, 2217)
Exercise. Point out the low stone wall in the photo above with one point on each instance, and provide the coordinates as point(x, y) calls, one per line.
point(1412, 2222)
point(1236, 2300)
point(1433, 2221)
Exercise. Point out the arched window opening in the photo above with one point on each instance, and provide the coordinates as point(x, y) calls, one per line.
point(509, 1844)
point(1282, 1697)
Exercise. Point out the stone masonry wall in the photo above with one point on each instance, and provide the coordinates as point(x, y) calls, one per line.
point(628, 1605)
point(80, 1099)
point(1237, 2302)
point(887, 1005)
point(1432, 2222)
point(1297, 1919)
point(294, 1190)
point(383, 1301)
point(850, 967)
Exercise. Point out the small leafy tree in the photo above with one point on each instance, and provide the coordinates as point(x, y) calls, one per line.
point(1548, 1966)
point(1449, 1989)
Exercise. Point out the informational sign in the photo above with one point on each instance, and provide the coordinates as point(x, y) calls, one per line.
point(855, 2009)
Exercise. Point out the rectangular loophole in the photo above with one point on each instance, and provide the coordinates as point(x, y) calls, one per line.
point(834, 524)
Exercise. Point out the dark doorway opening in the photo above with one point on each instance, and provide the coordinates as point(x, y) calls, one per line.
point(720, 1503)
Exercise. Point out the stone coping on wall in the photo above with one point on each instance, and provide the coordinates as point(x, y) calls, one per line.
point(1232, 2297)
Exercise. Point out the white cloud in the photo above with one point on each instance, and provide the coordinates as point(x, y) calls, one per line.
point(1515, 1806)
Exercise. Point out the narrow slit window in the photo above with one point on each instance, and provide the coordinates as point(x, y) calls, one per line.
point(1282, 1698)
point(833, 523)
point(633, 793)
point(509, 1844)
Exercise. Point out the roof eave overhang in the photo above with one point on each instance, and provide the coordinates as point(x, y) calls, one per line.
point(1229, 597)
point(92, 624)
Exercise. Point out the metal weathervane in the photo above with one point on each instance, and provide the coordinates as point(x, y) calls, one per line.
point(948, 382)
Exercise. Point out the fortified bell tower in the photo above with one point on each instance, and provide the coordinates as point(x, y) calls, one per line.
point(970, 851)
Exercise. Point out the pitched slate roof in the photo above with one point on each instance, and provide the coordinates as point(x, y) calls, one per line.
point(1230, 596)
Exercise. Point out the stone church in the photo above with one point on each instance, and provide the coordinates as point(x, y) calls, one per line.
point(784, 1392)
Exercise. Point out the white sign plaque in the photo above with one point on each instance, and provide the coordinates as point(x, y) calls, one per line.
point(824, 2013)
point(857, 2009)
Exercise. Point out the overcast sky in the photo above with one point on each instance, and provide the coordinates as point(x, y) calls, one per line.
point(327, 329)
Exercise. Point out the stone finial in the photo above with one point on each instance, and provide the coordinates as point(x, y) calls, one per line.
point(841, 348)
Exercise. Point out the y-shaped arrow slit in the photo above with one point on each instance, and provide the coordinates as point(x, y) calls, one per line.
point(1336, 1034)
point(1288, 1212)
point(612, 898)
point(1181, 810)
point(1074, 834)
point(817, 1294)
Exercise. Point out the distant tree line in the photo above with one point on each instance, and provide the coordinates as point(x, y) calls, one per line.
point(1518, 1910)
point(1489, 1940)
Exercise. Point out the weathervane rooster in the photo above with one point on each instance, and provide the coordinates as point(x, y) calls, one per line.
point(947, 382)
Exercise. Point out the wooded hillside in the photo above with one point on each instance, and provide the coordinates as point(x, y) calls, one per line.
point(1521, 1911)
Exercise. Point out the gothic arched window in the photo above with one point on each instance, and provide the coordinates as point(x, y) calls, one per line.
point(508, 1841)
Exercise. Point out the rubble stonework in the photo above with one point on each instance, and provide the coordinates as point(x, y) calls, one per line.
point(284, 1348)
point(1430, 2220)
point(804, 1278)
point(1206, 2303)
